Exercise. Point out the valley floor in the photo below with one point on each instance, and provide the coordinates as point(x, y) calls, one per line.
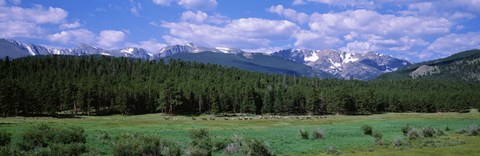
point(343, 133)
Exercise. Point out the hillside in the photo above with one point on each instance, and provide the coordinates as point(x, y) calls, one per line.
point(460, 66)
point(252, 62)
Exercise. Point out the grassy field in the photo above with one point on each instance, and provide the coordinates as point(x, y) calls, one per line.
point(342, 132)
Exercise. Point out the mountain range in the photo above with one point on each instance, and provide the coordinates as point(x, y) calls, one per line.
point(299, 62)
point(460, 66)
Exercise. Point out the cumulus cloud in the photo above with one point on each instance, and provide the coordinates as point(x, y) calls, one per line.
point(72, 25)
point(198, 4)
point(110, 38)
point(27, 22)
point(453, 43)
point(240, 33)
point(16, 2)
point(298, 2)
point(2, 2)
point(73, 37)
point(195, 17)
point(136, 7)
point(313, 40)
point(162, 2)
point(151, 45)
point(289, 14)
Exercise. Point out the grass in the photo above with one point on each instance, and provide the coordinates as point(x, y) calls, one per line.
point(342, 132)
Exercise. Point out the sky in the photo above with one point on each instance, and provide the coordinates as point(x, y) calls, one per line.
point(416, 30)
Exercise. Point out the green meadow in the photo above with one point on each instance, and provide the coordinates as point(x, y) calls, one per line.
point(342, 133)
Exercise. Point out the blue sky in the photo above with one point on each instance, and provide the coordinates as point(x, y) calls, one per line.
point(416, 30)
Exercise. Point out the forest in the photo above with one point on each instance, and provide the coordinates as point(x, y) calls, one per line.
point(102, 85)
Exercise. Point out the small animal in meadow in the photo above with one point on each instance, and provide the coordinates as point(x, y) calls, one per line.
point(193, 118)
point(166, 118)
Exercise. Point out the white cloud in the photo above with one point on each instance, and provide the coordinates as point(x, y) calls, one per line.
point(162, 2)
point(151, 45)
point(195, 17)
point(27, 22)
point(314, 40)
point(2, 2)
point(289, 14)
point(248, 33)
point(37, 15)
point(198, 4)
point(453, 43)
point(73, 25)
point(110, 38)
point(348, 3)
point(136, 7)
point(371, 22)
point(76, 36)
point(298, 2)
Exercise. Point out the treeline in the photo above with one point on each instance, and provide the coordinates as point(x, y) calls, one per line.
point(97, 85)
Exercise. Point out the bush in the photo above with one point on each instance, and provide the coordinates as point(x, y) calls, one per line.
point(447, 128)
point(378, 137)
point(144, 145)
point(333, 150)
point(256, 147)
point(103, 135)
point(461, 131)
point(67, 149)
point(397, 142)
point(413, 134)
point(201, 141)
point(319, 134)
point(43, 136)
point(406, 129)
point(5, 138)
point(303, 134)
point(473, 130)
point(220, 143)
point(9, 150)
point(196, 151)
point(233, 148)
point(367, 130)
point(428, 132)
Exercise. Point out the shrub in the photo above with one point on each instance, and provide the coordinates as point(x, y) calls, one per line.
point(397, 142)
point(201, 141)
point(220, 143)
point(303, 134)
point(378, 137)
point(473, 130)
point(439, 132)
point(43, 136)
point(5, 138)
point(367, 130)
point(333, 150)
point(461, 131)
point(103, 135)
point(67, 149)
point(256, 147)
point(9, 150)
point(413, 134)
point(406, 129)
point(319, 134)
point(196, 151)
point(233, 148)
point(447, 128)
point(428, 132)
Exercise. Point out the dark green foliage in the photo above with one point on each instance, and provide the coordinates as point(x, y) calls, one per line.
point(45, 140)
point(5, 138)
point(9, 150)
point(303, 133)
point(428, 132)
point(201, 142)
point(367, 129)
point(447, 128)
point(136, 144)
point(257, 147)
point(98, 85)
point(406, 129)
